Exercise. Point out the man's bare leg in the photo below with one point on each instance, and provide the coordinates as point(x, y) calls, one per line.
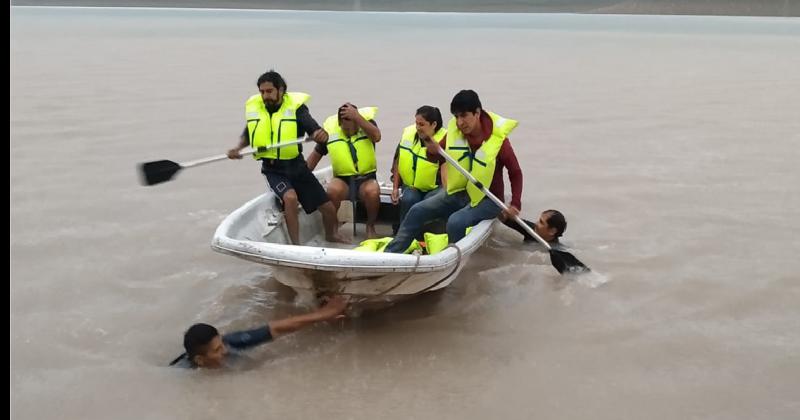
point(370, 194)
point(331, 224)
point(290, 214)
point(337, 192)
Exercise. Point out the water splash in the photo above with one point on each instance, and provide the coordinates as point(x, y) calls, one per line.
point(592, 279)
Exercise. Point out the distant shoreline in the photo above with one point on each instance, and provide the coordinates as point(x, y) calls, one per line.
point(779, 8)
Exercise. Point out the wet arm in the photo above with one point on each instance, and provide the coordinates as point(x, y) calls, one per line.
point(370, 128)
point(308, 125)
point(235, 153)
point(514, 173)
point(395, 173)
point(292, 324)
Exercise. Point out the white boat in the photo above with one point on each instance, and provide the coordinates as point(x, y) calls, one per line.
point(256, 232)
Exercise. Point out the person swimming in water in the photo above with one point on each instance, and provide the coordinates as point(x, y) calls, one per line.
point(207, 348)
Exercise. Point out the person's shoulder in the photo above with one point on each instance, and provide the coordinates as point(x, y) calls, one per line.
point(506, 153)
point(487, 126)
point(303, 109)
point(486, 119)
point(248, 338)
point(182, 362)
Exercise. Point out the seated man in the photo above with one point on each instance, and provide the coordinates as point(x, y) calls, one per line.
point(351, 144)
point(206, 348)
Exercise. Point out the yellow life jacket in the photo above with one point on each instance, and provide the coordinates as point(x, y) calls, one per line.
point(266, 130)
point(374, 245)
point(480, 164)
point(412, 160)
point(379, 245)
point(437, 242)
point(351, 155)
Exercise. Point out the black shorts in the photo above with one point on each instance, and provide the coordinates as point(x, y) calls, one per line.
point(358, 179)
point(285, 175)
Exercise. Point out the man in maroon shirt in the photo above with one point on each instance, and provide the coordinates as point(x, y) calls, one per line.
point(476, 126)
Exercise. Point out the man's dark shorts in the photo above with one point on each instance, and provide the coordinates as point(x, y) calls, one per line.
point(284, 175)
point(358, 179)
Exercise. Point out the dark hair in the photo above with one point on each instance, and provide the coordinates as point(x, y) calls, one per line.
point(556, 220)
point(196, 338)
point(273, 77)
point(465, 101)
point(431, 114)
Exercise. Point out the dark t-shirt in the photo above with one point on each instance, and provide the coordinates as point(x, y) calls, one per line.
point(235, 342)
point(241, 340)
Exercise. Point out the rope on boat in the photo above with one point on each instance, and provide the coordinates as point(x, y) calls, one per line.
point(416, 265)
point(455, 268)
point(396, 285)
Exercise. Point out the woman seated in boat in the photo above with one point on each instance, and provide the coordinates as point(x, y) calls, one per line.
point(416, 161)
point(206, 348)
point(352, 135)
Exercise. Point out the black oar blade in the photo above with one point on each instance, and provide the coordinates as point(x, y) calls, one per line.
point(566, 262)
point(152, 173)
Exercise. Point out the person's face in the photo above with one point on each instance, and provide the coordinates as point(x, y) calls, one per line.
point(468, 122)
point(543, 229)
point(214, 355)
point(425, 129)
point(272, 97)
point(348, 126)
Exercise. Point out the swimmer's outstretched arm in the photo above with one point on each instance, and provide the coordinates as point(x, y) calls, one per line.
point(332, 309)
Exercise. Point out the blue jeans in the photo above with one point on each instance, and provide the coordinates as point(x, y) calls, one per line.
point(468, 216)
point(437, 204)
point(410, 197)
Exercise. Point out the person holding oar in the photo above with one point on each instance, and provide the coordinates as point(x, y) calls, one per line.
point(275, 119)
point(479, 141)
point(479, 138)
point(275, 116)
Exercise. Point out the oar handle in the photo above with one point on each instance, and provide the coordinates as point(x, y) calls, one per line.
point(243, 152)
point(489, 194)
point(215, 158)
